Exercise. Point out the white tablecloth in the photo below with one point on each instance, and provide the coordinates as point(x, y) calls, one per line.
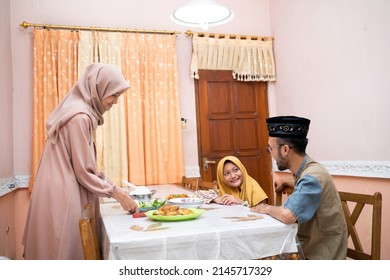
point(213, 235)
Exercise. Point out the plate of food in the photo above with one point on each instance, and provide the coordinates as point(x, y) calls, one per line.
point(169, 213)
point(152, 204)
point(187, 202)
point(177, 195)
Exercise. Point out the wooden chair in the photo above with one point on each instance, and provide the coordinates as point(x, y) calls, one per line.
point(357, 202)
point(207, 185)
point(279, 195)
point(88, 234)
point(189, 183)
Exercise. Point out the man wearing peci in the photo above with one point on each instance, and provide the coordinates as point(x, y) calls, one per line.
point(315, 203)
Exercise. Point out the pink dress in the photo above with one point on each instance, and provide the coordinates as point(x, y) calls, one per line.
point(66, 180)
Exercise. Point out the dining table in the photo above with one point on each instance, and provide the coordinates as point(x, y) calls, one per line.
point(221, 232)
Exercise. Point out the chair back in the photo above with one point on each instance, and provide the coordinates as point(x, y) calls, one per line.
point(356, 202)
point(189, 183)
point(207, 185)
point(279, 195)
point(88, 234)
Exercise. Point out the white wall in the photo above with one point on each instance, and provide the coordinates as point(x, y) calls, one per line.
point(333, 66)
point(251, 17)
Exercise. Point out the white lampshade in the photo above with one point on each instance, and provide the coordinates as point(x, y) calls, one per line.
point(202, 13)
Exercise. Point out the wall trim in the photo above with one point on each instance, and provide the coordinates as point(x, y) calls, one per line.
point(7, 185)
point(22, 182)
point(370, 169)
point(11, 183)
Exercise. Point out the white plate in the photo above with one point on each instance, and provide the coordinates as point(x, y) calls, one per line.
point(189, 202)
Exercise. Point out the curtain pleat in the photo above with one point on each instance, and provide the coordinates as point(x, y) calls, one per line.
point(111, 143)
point(153, 105)
point(250, 60)
point(55, 72)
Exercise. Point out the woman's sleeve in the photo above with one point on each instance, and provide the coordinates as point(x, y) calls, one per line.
point(82, 153)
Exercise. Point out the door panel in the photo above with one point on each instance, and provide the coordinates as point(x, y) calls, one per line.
point(231, 121)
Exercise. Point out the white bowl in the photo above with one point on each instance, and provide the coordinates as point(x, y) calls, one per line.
point(187, 202)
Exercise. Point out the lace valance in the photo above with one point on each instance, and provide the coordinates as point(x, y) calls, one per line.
point(249, 59)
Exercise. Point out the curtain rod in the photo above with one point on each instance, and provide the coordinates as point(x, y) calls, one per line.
point(92, 28)
point(229, 36)
point(189, 33)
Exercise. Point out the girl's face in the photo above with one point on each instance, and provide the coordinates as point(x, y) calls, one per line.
point(232, 175)
point(110, 100)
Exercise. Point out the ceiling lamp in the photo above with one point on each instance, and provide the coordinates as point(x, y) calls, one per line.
point(202, 13)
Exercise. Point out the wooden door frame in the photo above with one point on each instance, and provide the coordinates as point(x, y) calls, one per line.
point(270, 192)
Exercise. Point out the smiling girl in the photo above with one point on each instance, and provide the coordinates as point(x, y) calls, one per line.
point(235, 186)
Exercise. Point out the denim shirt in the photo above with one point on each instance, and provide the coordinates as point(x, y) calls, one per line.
point(305, 199)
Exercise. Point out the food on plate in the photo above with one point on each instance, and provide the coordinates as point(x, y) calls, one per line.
point(172, 210)
point(182, 195)
point(185, 211)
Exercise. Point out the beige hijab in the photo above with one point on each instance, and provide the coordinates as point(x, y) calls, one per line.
point(249, 191)
point(98, 82)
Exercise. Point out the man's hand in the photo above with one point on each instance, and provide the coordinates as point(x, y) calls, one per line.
point(280, 184)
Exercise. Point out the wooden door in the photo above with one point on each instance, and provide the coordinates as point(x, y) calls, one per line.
point(231, 119)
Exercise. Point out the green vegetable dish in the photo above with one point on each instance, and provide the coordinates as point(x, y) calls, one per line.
point(150, 205)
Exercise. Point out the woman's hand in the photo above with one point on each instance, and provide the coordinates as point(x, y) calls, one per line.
point(127, 203)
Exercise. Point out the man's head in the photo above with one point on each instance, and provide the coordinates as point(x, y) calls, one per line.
point(287, 133)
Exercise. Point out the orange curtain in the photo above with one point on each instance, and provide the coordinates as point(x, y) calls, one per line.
point(155, 154)
point(55, 72)
point(150, 123)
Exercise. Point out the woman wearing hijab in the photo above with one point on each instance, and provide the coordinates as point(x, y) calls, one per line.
point(235, 186)
point(67, 176)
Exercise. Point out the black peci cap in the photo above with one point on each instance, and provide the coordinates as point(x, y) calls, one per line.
point(288, 127)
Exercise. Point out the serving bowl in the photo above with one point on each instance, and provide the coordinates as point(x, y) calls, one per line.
point(187, 202)
point(142, 196)
point(140, 193)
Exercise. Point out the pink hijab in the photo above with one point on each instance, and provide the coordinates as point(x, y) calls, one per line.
point(98, 82)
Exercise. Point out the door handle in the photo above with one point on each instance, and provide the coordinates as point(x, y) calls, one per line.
point(206, 164)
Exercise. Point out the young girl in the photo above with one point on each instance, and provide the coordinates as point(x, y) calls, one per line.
point(235, 186)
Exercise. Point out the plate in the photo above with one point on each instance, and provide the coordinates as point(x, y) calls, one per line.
point(196, 214)
point(187, 202)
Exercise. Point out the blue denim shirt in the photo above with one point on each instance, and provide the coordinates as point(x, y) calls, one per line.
point(305, 199)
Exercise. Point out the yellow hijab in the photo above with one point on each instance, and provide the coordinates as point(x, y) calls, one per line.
point(249, 191)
